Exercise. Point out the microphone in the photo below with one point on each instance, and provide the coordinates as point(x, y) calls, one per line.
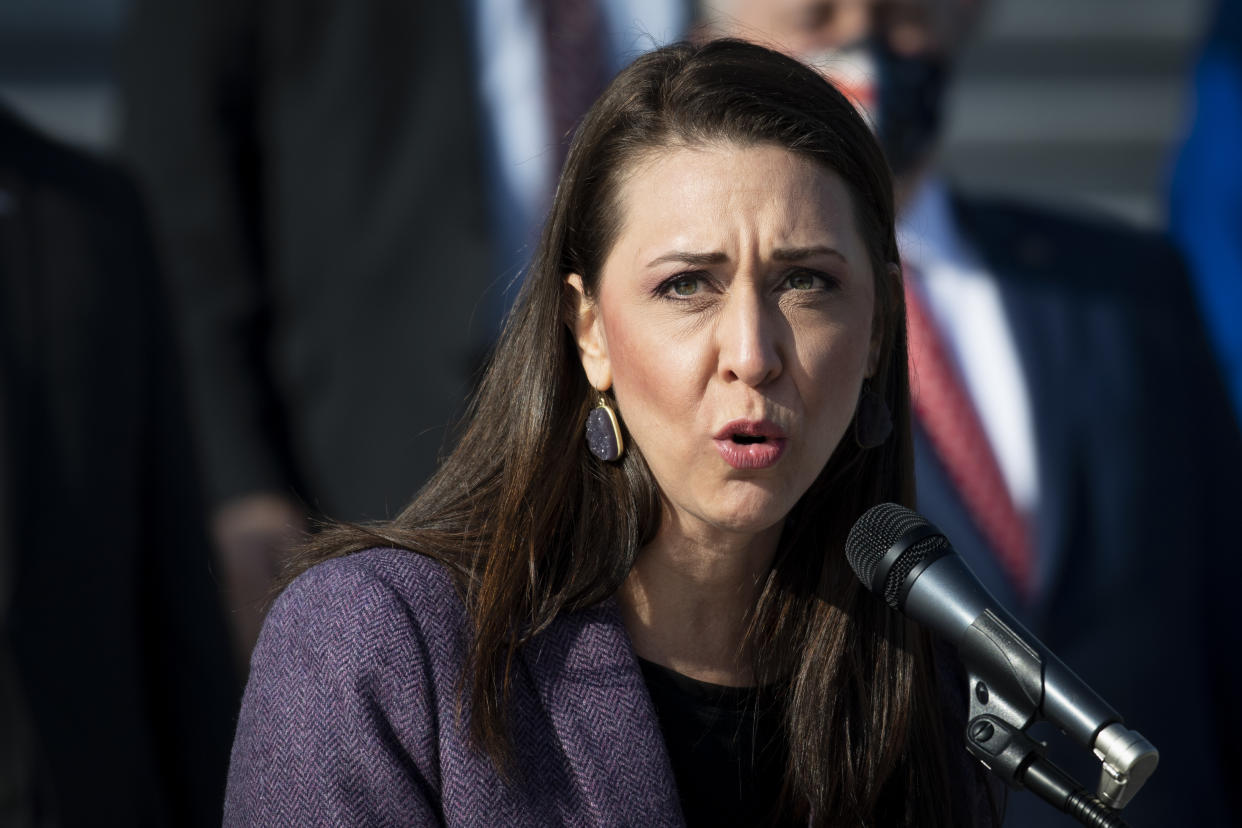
point(909, 563)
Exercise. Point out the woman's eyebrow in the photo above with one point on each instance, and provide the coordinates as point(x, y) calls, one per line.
point(690, 258)
point(797, 254)
point(780, 254)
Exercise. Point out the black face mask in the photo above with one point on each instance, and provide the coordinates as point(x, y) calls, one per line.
point(909, 100)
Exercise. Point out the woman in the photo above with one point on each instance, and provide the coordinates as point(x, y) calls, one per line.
point(580, 631)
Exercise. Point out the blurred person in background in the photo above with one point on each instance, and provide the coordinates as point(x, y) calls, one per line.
point(1205, 209)
point(116, 699)
point(1072, 435)
point(342, 191)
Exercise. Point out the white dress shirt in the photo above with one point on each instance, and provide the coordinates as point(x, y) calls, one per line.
point(965, 303)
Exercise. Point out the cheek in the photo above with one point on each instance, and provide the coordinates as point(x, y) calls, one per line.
point(834, 352)
point(652, 376)
point(832, 362)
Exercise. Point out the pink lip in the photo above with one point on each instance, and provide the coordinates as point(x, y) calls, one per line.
point(758, 455)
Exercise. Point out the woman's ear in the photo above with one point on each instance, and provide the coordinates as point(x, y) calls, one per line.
point(587, 327)
point(878, 323)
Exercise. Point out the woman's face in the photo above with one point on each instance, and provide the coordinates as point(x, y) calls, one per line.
point(733, 321)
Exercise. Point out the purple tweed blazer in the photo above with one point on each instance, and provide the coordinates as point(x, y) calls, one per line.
point(351, 716)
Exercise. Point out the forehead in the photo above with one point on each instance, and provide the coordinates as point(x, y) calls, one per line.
point(723, 196)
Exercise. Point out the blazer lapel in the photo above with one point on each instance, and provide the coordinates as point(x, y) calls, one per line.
point(584, 671)
point(1049, 345)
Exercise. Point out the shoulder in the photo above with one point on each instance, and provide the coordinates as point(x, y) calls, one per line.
point(45, 163)
point(1079, 248)
point(383, 580)
point(352, 609)
point(350, 684)
point(998, 213)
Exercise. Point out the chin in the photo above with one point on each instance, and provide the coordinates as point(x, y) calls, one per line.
point(752, 516)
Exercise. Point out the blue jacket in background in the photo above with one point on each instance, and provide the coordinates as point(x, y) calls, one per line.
point(1205, 211)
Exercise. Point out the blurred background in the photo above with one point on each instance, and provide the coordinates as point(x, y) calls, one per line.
point(1057, 100)
point(219, 251)
point(58, 64)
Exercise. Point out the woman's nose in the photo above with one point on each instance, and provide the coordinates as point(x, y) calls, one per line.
point(749, 333)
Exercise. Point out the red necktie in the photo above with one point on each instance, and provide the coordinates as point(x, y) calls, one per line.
point(575, 50)
point(955, 431)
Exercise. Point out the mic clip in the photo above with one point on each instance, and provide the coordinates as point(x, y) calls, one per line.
point(1014, 695)
point(1010, 753)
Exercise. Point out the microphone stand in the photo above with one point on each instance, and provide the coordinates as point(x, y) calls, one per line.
point(1004, 701)
point(1019, 760)
point(1014, 679)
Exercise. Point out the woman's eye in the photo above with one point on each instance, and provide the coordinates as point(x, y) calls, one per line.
point(684, 285)
point(802, 280)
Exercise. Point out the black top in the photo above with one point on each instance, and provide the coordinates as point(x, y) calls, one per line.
point(726, 746)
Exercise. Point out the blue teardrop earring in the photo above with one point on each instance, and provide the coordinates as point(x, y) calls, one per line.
point(603, 432)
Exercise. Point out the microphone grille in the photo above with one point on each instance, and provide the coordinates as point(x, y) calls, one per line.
point(874, 534)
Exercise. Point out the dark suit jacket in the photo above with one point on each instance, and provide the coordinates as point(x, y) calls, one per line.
point(1138, 463)
point(315, 179)
point(118, 650)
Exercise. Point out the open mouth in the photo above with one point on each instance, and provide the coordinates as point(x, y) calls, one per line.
point(751, 444)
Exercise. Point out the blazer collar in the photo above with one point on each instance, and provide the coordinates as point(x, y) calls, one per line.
point(587, 677)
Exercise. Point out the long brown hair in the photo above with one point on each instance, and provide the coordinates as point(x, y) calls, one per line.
point(533, 526)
